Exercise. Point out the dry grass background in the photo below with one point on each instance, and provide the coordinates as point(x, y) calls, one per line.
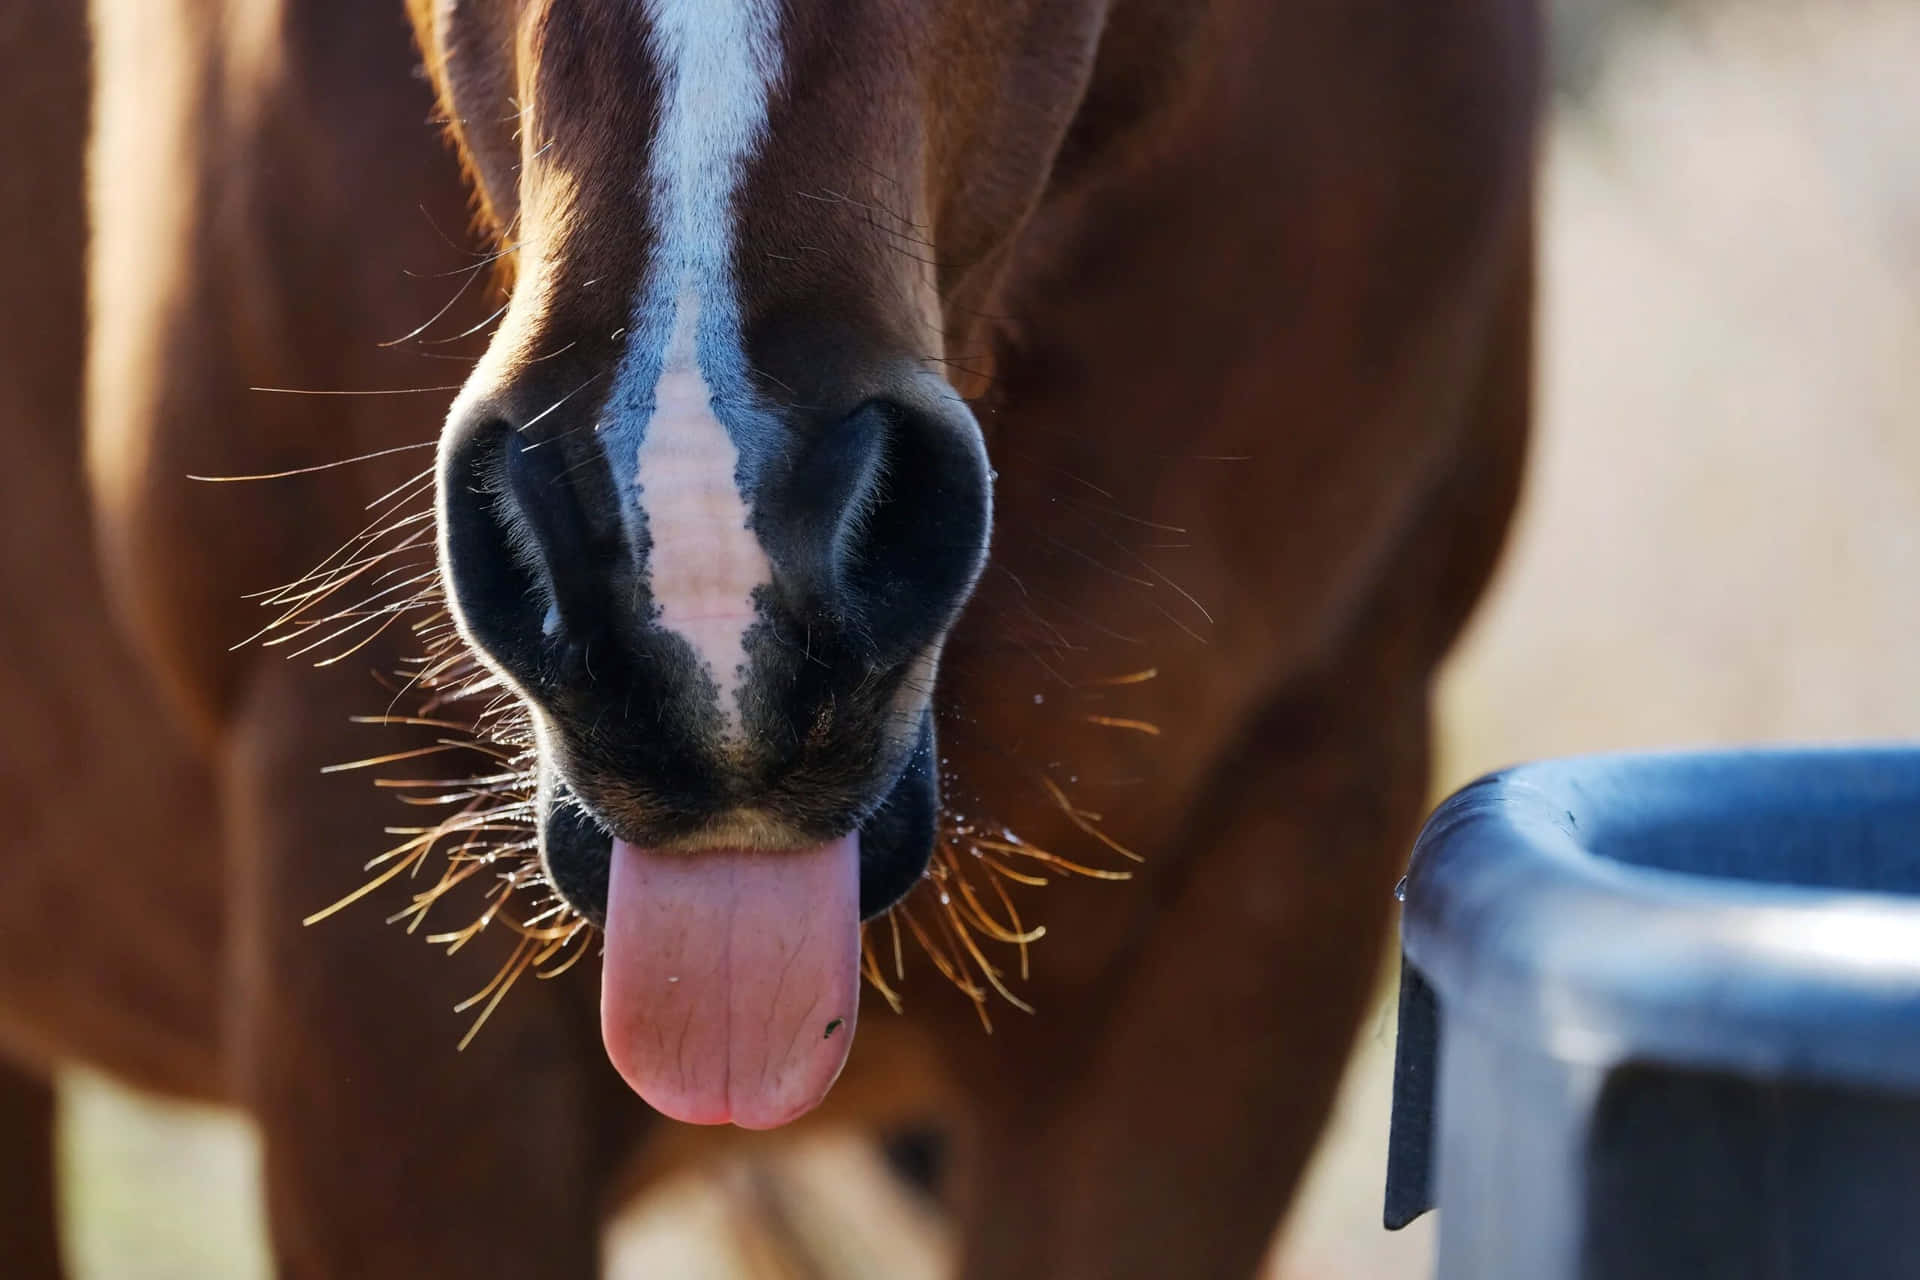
point(1721, 542)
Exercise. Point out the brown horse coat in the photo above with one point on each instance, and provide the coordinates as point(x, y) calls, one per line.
point(1270, 301)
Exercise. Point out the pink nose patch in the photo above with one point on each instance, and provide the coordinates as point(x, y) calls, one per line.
point(732, 979)
point(704, 562)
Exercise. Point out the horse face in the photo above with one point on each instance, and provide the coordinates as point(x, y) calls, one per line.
point(707, 503)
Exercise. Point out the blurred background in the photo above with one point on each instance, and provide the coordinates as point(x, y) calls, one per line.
point(1721, 541)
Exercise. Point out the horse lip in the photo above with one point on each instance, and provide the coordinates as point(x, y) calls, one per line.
point(576, 843)
point(741, 830)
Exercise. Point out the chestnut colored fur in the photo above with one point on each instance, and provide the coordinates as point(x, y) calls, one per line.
point(1258, 271)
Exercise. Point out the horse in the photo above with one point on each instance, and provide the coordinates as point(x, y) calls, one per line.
point(892, 481)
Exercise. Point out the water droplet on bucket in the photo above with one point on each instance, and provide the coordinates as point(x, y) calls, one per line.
point(1400, 890)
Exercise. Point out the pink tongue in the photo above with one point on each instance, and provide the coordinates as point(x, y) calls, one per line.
point(732, 978)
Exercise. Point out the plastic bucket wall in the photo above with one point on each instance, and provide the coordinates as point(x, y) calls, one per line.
point(1660, 1017)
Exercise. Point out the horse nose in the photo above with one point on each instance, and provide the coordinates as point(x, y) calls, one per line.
point(873, 527)
point(879, 522)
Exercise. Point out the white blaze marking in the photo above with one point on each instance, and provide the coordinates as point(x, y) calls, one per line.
point(717, 61)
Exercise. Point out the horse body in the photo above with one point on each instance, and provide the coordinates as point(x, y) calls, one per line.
point(1239, 303)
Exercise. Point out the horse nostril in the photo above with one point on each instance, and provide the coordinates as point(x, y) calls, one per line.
point(832, 492)
point(521, 551)
point(540, 486)
point(885, 524)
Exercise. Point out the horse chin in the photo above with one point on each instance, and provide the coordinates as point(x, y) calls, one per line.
point(896, 837)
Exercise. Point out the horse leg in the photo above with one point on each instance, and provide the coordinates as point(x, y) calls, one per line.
point(29, 1225)
point(387, 1153)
